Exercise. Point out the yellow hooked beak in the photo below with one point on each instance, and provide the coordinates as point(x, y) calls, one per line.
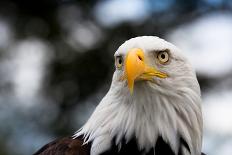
point(137, 69)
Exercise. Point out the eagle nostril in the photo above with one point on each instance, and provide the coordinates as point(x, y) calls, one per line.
point(140, 58)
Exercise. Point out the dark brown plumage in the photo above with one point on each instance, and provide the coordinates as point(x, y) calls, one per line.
point(65, 146)
point(70, 146)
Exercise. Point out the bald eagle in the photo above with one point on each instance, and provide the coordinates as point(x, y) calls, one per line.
point(153, 106)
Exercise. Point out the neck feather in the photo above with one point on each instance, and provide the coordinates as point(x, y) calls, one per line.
point(145, 115)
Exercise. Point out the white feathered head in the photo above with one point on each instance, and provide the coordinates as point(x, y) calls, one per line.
point(154, 92)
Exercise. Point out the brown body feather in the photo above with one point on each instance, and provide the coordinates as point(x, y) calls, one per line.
point(65, 146)
point(70, 146)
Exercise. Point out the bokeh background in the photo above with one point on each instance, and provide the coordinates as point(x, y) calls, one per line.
point(56, 62)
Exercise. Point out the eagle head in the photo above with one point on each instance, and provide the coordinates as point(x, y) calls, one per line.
point(154, 93)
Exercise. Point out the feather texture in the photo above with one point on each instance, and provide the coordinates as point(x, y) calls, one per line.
point(162, 107)
point(65, 146)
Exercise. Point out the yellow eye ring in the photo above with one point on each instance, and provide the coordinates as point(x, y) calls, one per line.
point(163, 57)
point(118, 61)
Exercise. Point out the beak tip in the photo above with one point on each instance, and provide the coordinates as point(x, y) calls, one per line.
point(131, 91)
point(131, 86)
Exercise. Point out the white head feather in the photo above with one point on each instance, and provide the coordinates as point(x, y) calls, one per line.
point(169, 107)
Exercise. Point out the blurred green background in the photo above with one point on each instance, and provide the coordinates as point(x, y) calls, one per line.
point(56, 62)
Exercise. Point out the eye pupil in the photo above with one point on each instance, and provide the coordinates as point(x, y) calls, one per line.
point(120, 61)
point(162, 56)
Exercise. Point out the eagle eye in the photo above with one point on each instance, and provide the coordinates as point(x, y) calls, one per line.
point(118, 61)
point(163, 56)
